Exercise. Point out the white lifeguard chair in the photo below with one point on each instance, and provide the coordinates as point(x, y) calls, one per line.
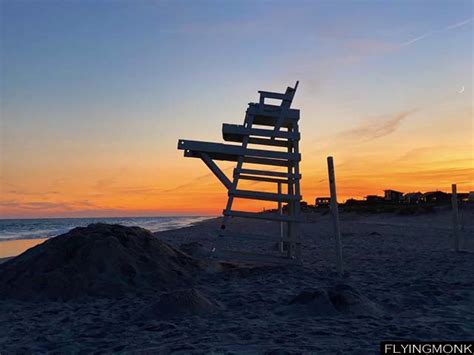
point(284, 133)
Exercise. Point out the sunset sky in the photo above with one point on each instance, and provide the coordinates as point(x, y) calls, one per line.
point(95, 95)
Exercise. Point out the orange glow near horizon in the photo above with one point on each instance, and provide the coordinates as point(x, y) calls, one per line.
point(188, 188)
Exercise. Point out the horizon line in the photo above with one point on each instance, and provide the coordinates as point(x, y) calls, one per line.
point(89, 217)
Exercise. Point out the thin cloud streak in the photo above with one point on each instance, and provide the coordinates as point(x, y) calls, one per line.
point(195, 180)
point(377, 128)
point(429, 34)
point(459, 24)
point(419, 38)
point(46, 205)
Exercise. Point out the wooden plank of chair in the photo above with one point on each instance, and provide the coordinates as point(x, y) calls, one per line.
point(238, 151)
point(263, 179)
point(265, 196)
point(270, 173)
point(258, 215)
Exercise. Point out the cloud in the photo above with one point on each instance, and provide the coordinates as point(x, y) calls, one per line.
point(197, 179)
point(105, 183)
point(459, 24)
point(137, 190)
point(22, 193)
point(429, 34)
point(34, 205)
point(416, 153)
point(377, 127)
point(416, 39)
point(359, 49)
point(46, 205)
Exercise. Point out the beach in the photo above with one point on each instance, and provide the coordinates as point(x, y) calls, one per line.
point(402, 281)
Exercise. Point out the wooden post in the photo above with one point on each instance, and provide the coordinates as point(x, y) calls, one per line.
point(297, 203)
point(454, 201)
point(280, 212)
point(335, 215)
point(290, 207)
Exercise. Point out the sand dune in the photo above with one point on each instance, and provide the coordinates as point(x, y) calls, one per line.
point(100, 260)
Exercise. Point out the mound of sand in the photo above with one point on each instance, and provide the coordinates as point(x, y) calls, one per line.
point(336, 300)
point(195, 249)
point(100, 260)
point(179, 304)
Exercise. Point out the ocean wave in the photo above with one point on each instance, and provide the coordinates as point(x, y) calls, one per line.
point(14, 229)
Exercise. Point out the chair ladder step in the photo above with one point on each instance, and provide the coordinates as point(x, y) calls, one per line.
point(257, 215)
point(269, 173)
point(265, 196)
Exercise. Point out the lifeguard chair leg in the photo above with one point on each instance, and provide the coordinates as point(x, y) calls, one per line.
point(248, 121)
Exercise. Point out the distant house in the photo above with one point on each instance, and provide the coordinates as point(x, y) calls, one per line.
point(393, 196)
point(463, 196)
point(354, 202)
point(322, 201)
point(374, 198)
point(470, 198)
point(413, 197)
point(436, 197)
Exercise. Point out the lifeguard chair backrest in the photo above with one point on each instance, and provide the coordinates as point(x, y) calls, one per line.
point(286, 98)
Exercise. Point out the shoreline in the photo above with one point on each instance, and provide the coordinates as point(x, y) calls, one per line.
point(440, 221)
point(13, 247)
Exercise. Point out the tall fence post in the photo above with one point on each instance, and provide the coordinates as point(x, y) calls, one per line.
point(280, 212)
point(454, 202)
point(335, 215)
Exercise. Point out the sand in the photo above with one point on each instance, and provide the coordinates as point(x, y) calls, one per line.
point(403, 281)
point(180, 304)
point(2, 260)
point(100, 260)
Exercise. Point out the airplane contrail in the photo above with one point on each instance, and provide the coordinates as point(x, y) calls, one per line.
point(416, 39)
point(429, 34)
point(459, 24)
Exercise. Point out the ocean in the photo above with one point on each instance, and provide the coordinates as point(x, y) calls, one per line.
point(18, 229)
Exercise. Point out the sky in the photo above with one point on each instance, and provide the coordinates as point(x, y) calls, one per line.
point(95, 94)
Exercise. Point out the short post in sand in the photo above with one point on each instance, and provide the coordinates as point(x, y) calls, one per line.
point(335, 215)
point(454, 202)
